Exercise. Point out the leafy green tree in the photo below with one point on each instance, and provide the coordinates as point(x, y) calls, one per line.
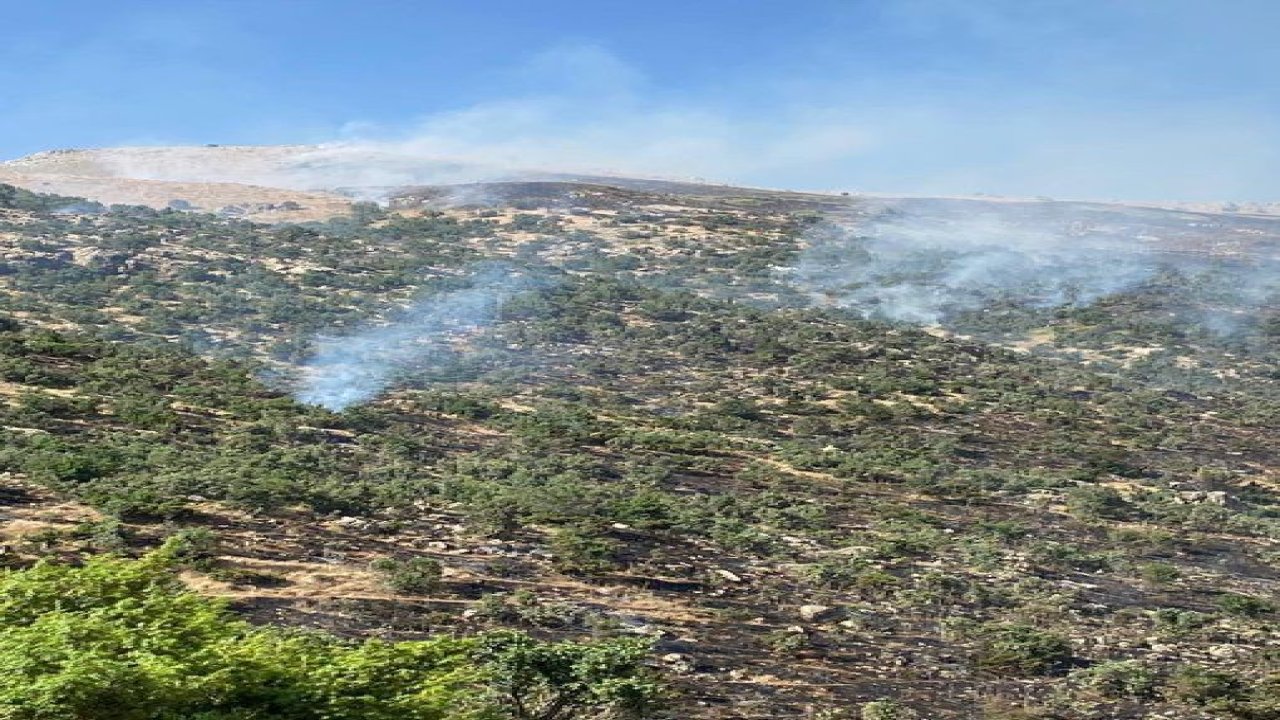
point(415, 576)
point(118, 639)
point(533, 680)
point(124, 640)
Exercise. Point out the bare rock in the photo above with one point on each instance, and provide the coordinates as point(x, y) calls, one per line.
point(819, 613)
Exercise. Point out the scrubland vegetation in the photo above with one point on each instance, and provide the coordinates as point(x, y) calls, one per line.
point(663, 476)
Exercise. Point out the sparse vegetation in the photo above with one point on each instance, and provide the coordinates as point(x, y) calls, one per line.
point(663, 443)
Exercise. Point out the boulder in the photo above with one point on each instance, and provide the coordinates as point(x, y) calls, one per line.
point(819, 613)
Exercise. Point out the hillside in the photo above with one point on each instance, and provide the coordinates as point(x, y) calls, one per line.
point(151, 177)
point(701, 419)
point(213, 175)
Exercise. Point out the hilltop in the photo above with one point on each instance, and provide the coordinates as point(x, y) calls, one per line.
point(208, 175)
point(238, 182)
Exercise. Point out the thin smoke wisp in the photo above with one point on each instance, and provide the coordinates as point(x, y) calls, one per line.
point(351, 369)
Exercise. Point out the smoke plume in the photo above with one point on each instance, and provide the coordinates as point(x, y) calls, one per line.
point(430, 334)
point(921, 268)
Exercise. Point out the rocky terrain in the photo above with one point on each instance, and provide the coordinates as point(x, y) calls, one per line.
point(809, 507)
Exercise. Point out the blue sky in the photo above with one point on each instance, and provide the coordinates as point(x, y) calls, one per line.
point(1141, 99)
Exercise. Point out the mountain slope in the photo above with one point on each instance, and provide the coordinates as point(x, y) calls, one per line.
point(805, 510)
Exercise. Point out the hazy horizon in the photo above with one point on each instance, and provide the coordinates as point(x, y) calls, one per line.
point(1144, 100)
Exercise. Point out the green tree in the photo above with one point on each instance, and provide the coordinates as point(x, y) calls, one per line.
point(532, 680)
point(124, 640)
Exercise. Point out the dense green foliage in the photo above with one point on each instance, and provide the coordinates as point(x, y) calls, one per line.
point(124, 640)
point(119, 639)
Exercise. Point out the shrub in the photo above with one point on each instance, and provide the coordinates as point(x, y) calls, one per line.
point(525, 608)
point(1176, 622)
point(1198, 686)
point(1015, 649)
point(1095, 502)
point(581, 549)
point(837, 573)
point(887, 710)
point(1120, 679)
point(1159, 574)
point(415, 576)
point(1245, 605)
point(543, 681)
point(785, 642)
point(192, 545)
point(106, 535)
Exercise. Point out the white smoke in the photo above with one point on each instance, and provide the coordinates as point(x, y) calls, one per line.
point(917, 268)
point(350, 369)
